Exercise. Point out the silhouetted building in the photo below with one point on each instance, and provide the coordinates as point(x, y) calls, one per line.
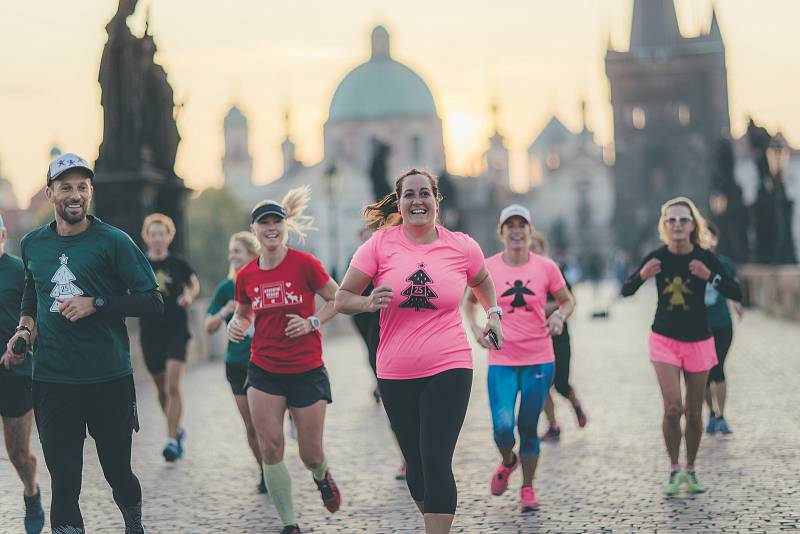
point(669, 95)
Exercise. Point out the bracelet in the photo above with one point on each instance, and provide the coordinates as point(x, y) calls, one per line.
point(22, 328)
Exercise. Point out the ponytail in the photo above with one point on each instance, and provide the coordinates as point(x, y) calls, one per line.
point(295, 203)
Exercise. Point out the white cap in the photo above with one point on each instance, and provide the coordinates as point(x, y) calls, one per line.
point(515, 210)
point(66, 162)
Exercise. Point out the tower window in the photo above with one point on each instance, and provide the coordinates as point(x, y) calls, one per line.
point(639, 118)
point(684, 115)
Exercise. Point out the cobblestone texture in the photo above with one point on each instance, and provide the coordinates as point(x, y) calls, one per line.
point(604, 478)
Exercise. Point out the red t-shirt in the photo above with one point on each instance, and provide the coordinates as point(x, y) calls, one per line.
point(289, 288)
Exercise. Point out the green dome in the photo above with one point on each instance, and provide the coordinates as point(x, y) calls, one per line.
point(381, 88)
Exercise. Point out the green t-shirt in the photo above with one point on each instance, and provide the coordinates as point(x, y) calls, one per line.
point(238, 353)
point(101, 261)
point(12, 282)
point(719, 315)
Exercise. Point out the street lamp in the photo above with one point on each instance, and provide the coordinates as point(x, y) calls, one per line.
point(331, 178)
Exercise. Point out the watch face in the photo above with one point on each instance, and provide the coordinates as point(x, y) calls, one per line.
point(99, 302)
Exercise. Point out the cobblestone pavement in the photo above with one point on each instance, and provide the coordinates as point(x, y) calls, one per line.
point(604, 478)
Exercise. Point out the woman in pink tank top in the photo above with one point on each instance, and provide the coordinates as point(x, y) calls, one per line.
point(424, 363)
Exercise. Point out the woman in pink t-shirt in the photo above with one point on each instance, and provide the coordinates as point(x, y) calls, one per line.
point(424, 363)
point(524, 366)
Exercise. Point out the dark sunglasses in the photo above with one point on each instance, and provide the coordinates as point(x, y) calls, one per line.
point(676, 220)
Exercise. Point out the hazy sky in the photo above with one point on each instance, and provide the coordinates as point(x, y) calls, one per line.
point(534, 57)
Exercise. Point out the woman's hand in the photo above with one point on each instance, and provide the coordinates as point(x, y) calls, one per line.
point(699, 269)
point(237, 328)
point(297, 326)
point(555, 324)
point(480, 336)
point(651, 268)
point(380, 298)
point(493, 325)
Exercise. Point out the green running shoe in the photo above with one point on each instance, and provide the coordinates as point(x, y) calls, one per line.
point(693, 485)
point(673, 484)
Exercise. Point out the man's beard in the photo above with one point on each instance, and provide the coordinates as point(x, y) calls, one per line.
point(71, 218)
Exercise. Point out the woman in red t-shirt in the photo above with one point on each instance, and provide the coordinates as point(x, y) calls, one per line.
point(276, 292)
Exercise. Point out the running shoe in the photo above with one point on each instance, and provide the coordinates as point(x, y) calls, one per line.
point(331, 497)
point(262, 485)
point(693, 485)
point(673, 484)
point(290, 529)
point(527, 499)
point(401, 473)
point(34, 513)
point(172, 451)
point(582, 420)
point(499, 483)
point(722, 427)
point(712, 426)
point(180, 437)
point(553, 434)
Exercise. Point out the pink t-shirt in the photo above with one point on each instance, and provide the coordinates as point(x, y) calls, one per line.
point(422, 333)
point(522, 293)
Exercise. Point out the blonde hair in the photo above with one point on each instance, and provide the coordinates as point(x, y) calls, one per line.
point(294, 204)
point(699, 235)
point(541, 240)
point(158, 218)
point(250, 244)
point(386, 212)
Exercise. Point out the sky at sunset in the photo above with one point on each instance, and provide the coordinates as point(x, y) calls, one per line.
point(533, 57)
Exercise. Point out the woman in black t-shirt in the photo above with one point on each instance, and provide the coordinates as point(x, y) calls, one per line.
point(681, 338)
point(165, 338)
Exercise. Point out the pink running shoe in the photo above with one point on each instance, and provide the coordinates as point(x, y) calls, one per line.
point(500, 478)
point(527, 499)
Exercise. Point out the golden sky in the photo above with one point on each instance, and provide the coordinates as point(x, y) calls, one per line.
point(534, 57)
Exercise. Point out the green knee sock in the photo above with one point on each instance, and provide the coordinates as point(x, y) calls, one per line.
point(279, 485)
point(319, 472)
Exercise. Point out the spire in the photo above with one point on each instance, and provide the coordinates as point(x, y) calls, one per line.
point(713, 33)
point(654, 24)
point(584, 128)
point(380, 43)
point(287, 146)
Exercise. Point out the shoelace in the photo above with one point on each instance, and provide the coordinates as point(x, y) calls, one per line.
point(325, 488)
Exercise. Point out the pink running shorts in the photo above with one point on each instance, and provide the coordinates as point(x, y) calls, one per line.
point(691, 356)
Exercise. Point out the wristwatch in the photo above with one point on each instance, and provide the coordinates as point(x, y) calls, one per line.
point(315, 323)
point(715, 280)
point(22, 328)
point(98, 303)
point(560, 314)
point(495, 309)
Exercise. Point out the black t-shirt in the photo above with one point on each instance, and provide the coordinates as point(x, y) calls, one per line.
point(681, 311)
point(173, 275)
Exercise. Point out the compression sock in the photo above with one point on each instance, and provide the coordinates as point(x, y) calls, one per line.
point(319, 472)
point(279, 485)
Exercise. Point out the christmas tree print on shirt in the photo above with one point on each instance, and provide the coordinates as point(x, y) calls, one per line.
point(64, 288)
point(418, 293)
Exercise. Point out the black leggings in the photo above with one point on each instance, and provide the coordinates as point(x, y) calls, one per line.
point(723, 337)
point(368, 325)
point(426, 415)
point(63, 413)
point(563, 354)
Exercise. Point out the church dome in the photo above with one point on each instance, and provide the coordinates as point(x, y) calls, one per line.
point(381, 88)
point(234, 116)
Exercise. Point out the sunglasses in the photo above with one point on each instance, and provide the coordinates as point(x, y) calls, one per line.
point(681, 220)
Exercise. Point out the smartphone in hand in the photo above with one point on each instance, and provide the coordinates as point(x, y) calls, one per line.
point(493, 338)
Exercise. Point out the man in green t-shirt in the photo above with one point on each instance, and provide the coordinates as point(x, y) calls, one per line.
point(82, 278)
point(15, 389)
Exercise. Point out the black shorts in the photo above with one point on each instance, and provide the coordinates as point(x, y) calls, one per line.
point(158, 347)
point(65, 411)
point(300, 389)
point(15, 395)
point(237, 377)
